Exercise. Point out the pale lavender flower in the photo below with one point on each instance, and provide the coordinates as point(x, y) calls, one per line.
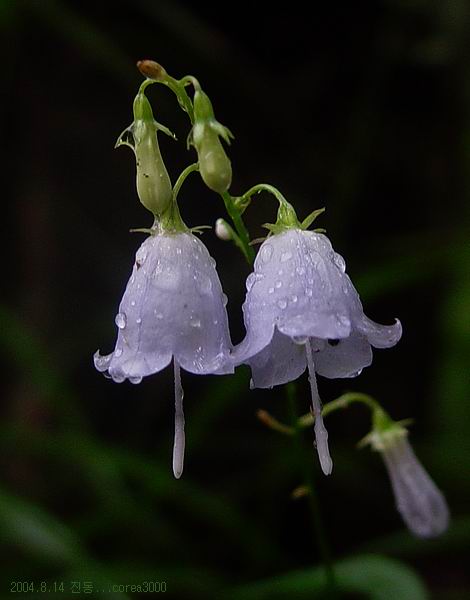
point(173, 308)
point(301, 310)
point(420, 503)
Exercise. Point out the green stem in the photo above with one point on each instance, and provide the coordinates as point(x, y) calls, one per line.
point(240, 228)
point(342, 402)
point(182, 177)
point(306, 463)
point(265, 187)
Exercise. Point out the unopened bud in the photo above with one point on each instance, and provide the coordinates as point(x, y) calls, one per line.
point(222, 231)
point(151, 69)
point(152, 180)
point(214, 164)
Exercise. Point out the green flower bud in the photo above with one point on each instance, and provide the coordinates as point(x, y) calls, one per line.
point(214, 164)
point(153, 183)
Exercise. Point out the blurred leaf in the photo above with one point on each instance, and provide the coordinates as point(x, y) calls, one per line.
point(27, 526)
point(31, 357)
point(378, 577)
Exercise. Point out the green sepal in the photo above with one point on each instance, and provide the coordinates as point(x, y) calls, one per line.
point(311, 218)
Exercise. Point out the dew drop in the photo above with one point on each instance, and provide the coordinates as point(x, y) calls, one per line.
point(282, 304)
point(118, 352)
point(224, 299)
point(138, 321)
point(212, 261)
point(278, 284)
point(271, 290)
point(204, 284)
point(294, 298)
point(132, 302)
point(195, 323)
point(135, 380)
point(251, 279)
point(140, 256)
point(285, 256)
point(339, 262)
point(309, 292)
point(121, 320)
point(178, 250)
point(266, 252)
point(300, 270)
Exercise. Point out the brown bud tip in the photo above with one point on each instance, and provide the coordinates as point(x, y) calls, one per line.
point(151, 69)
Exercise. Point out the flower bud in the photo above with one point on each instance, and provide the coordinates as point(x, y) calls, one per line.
point(222, 230)
point(153, 183)
point(214, 164)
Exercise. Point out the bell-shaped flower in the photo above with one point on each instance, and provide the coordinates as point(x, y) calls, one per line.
point(173, 308)
point(301, 310)
point(420, 503)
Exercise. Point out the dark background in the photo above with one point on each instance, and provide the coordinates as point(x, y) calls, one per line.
point(363, 108)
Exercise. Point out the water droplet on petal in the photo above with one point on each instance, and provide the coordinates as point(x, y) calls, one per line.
point(250, 281)
point(204, 284)
point(285, 256)
point(118, 352)
point(121, 320)
point(282, 304)
point(133, 303)
point(135, 380)
point(339, 262)
point(294, 298)
point(278, 284)
point(195, 322)
point(212, 261)
point(309, 292)
point(300, 270)
point(178, 250)
point(224, 299)
point(271, 290)
point(266, 252)
point(140, 256)
point(138, 321)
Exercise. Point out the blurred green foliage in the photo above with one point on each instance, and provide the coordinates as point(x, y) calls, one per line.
point(363, 108)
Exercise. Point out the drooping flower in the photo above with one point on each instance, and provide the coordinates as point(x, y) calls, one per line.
point(173, 308)
point(420, 503)
point(301, 310)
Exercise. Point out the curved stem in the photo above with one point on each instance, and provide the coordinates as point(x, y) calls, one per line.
point(240, 227)
point(342, 402)
point(181, 179)
point(266, 187)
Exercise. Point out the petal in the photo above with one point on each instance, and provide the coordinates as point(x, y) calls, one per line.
point(380, 336)
point(279, 362)
point(343, 357)
point(299, 284)
point(173, 306)
point(419, 501)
